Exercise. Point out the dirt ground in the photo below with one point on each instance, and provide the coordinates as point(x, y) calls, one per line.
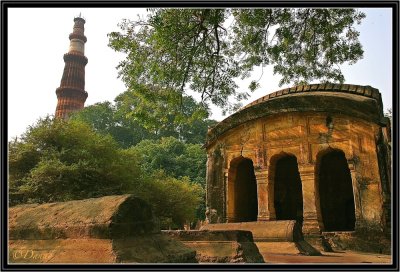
point(343, 257)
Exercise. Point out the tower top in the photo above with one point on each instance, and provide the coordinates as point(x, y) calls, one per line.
point(78, 36)
point(79, 18)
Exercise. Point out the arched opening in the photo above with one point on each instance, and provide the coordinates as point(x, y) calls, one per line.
point(287, 189)
point(334, 185)
point(242, 198)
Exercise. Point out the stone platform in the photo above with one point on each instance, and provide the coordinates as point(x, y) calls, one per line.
point(272, 237)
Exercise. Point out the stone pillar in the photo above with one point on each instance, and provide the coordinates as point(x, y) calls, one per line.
point(229, 197)
point(262, 193)
point(209, 181)
point(356, 193)
point(226, 193)
point(310, 218)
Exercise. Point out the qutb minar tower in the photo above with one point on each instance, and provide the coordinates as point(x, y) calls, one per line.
point(71, 94)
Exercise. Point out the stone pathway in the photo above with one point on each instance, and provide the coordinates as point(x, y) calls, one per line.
point(343, 257)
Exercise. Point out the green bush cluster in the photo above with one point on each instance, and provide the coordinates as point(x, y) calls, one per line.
point(56, 160)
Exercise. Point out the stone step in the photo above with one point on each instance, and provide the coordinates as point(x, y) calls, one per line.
point(219, 246)
point(272, 237)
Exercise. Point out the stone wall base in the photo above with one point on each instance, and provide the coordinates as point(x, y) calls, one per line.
point(319, 242)
point(364, 242)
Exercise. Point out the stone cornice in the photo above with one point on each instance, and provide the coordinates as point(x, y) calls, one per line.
point(71, 92)
point(367, 91)
point(78, 36)
point(363, 102)
point(78, 57)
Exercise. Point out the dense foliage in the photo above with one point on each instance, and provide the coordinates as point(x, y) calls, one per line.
point(58, 160)
point(170, 142)
point(178, 160)
point(163, 113)
point(175, 158)
point(208, 50)
point(133, 119)
point(174, 201)
point(105, 119)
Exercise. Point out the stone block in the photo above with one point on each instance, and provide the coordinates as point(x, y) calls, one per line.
point(110, 229)
point(223, 246)
point(104, 217)
point(270, 231)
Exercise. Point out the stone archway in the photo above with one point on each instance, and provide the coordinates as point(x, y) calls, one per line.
point(242, 191)
point(286, 188)
point(335, 190)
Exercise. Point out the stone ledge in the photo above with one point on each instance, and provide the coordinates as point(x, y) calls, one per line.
point(210, 235)
point(221, 246)
point(347, 88)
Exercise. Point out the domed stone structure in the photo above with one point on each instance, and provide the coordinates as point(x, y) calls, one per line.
point(318, 154)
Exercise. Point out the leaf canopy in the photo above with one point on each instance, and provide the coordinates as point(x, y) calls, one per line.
point(208, 50)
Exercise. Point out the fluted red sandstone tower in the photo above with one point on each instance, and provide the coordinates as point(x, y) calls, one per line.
point(71, 94)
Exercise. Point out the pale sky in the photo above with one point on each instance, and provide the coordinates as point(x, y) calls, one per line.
point(38, 39)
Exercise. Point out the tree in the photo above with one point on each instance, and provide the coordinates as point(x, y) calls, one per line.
point(164, 113)
point(176, 160)
point(174, 201)
point(173, 157)
point(134, 118)
point(57, 161)
point(105, 118)
point(206, 50)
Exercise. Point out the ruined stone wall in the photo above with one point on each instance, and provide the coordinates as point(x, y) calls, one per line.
point(266, 132)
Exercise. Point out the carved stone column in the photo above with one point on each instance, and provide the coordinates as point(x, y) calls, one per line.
point(310, 218)
point(209, 182)
point(356, 193)
point(262, 193)
point(215, 186)
point(225, 200)
point(229, 198)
